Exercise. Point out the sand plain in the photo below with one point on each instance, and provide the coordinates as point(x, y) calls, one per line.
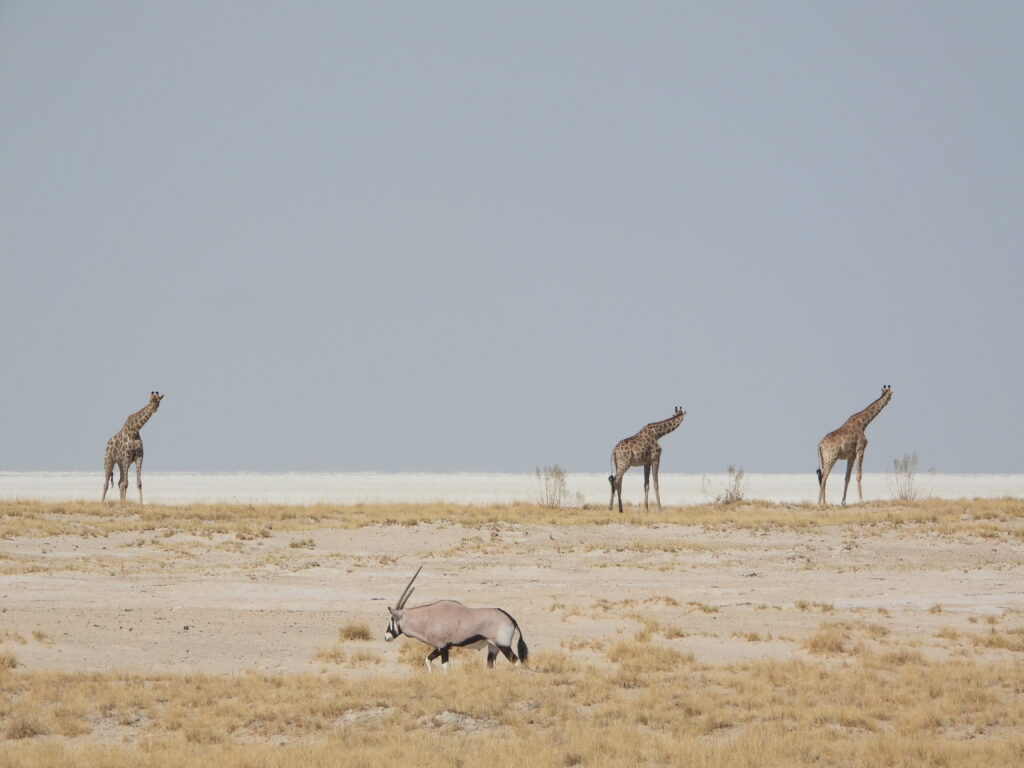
point(132, 593)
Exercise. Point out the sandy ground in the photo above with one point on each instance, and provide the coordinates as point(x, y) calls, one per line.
point(156, 603)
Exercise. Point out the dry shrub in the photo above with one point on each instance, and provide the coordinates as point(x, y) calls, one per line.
point(829, 639)
point(353, 631)
point(647, 657)
point(333, 655)
point(361, 658)
point(24, 726)
point(8, 660)
point(1009, 640)
point(553, 662)
point(901, 657)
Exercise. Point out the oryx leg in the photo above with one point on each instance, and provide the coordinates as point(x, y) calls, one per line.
point(492, 654)
point(433, 655)
point(444, 658)
point(509, 653)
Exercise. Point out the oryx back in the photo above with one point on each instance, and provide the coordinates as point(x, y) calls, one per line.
point(450, 623)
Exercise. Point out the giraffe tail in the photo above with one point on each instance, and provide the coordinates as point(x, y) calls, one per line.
point(821, 463)
point(611, 467)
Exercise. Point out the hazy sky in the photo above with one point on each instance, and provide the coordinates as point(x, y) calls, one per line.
point(449, 236)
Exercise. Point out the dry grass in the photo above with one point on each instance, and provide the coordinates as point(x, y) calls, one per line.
point(645, 704)
point(831, 638)
point(1009, 640)
point(987, 517)
point(354, 631)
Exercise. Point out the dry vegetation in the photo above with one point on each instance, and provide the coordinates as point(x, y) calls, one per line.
point(645, 704)
point(705, 636)
point(247, 522)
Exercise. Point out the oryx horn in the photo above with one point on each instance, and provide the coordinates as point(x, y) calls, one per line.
point(407, 591)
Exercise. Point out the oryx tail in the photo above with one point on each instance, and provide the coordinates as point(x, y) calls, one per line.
point(521, 649)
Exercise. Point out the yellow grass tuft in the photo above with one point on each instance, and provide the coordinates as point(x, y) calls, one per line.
point(830, 638)
point(354, 631)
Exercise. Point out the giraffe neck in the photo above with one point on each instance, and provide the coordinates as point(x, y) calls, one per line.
point(659, 429)
point(863, 418)
point(137, 419)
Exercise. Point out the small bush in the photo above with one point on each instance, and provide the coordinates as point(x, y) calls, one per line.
point(735, 487)
point(904, 474)
point(552, 491)
point(330, 655)
point(830, 638)
point(23, 727)
point(354, 632)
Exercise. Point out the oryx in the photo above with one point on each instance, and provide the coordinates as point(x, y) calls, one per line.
point(448, 623)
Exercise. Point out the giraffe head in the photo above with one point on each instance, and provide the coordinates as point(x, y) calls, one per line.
point(155, 398)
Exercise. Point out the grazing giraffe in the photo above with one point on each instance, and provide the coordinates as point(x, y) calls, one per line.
point(126, 447)
point(848, 442)
point(642, 450)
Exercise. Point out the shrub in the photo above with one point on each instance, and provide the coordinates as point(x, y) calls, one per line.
point(552, 491)
point(354, 632)
point(904, 473)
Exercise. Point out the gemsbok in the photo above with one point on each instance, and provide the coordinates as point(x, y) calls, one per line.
point(447, 623)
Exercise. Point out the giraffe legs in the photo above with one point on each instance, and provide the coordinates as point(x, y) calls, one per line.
point(846, 485)
point(108, 477)
point(860, 468)
point(616, 481)
point(138, 476)
point(826, 468)
point(122, 480)
point(647, 484)
point(657, 491)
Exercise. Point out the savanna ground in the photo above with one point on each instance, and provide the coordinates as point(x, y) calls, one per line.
point(742, 635)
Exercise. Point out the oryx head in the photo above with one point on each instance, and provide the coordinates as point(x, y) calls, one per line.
point(394, 629)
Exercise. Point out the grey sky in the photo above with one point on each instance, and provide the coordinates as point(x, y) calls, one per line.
point(408, 236)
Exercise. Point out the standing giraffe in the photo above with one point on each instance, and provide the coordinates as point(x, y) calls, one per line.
point(126, 447)
point(642, 450)
point(848, 442)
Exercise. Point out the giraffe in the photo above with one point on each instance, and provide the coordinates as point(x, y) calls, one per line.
point(642, 450)
point(126, 447)
point(848, 442)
